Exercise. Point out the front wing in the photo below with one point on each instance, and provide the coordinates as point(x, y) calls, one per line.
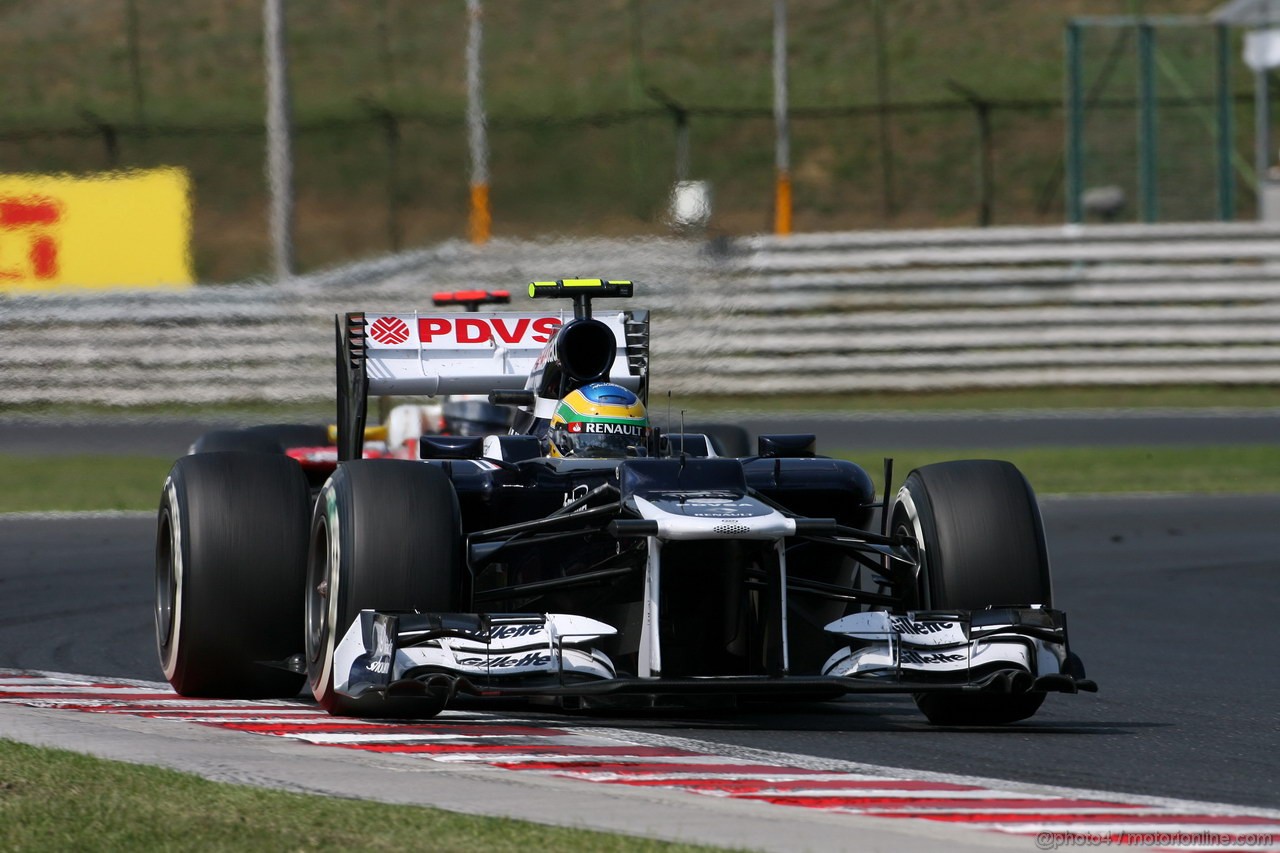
point(999, 650)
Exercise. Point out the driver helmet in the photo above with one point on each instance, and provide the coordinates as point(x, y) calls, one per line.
point(598, 420)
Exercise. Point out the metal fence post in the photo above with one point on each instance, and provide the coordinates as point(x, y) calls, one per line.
point(132, 36)
point(1147, 153)
point(680, 117)
point(986, 170)
point(1075, 125)
point(1261, 133)
point(279, 148)
point(391, 135)
point(110, 140)
point(481, 221)
point(385, 56)
point(1226, 134)
point(890, 205)
point(782, 186)
point(635, 94)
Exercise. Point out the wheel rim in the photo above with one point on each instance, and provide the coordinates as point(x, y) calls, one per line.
point(317, 593)
point(168, 582)
point(323, 561)
point(906, 523)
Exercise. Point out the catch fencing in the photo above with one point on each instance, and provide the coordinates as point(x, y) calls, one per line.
point(595, 109)
point(811, 313)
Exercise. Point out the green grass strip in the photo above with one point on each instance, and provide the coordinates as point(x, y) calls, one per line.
point(51, 799)
point(54, 483)
point(35, 483)
point(996, 399)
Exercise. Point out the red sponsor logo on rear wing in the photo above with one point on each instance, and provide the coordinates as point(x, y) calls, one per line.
point(473, 353)
point(460, 331)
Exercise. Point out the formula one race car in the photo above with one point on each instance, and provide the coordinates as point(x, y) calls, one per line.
point(588, 558)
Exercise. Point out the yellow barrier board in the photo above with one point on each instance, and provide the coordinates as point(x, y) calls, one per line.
point(112, 229)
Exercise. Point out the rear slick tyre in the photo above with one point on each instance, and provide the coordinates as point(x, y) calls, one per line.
point(385, 535)
point(981, 543)
point(231, 542)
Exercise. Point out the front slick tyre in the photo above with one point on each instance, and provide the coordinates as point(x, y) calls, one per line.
point(231, 542)
point(385, 535)
point(981, 543)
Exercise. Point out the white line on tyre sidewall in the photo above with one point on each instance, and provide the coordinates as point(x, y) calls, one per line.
point(170, 660)
point(908, 505)
point(324, 684)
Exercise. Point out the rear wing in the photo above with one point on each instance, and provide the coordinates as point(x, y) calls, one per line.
point(417, 353)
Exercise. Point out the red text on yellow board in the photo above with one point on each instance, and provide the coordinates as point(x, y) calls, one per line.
point(114, 229)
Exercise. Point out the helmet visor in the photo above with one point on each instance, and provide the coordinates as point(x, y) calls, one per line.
point(597, 445)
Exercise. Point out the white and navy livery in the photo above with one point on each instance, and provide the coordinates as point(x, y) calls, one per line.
point(490, 569)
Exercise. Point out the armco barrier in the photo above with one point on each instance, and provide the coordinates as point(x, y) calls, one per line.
point(997, 307)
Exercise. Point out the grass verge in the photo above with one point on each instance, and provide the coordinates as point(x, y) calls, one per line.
point(133, 482)
point(51, 799)
point(34, 483)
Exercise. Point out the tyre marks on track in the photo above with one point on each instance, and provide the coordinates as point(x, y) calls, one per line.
point(513, 744)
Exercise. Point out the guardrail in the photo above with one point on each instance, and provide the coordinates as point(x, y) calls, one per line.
point(1001, 307)
point(901, 310)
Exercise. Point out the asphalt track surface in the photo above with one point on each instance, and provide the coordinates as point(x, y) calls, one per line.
point(1172, 600)
point(1173, 604)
